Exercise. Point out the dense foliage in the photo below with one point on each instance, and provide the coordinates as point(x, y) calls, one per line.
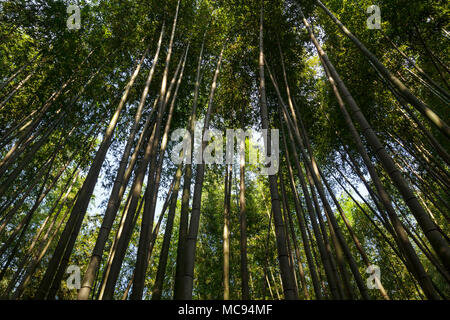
point(86, 177)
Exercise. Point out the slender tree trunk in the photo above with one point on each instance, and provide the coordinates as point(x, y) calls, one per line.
point(404, 243)
point(8, 216)
point(274, 284)
point(226, 233)
point(23, 225)
point(300, 219)
point(184, 215)
point(332, 280)
point(163, 257)
point(288, 221)
point(61, 200)
point(115, 198)
point(266, 257)
point(353, 235)
point(20, 70)
point(157, 289)
point(245, 292)
point(423, 73)
point(191, 237)
point(337, 238)
point(343, 281)
point(151, 197)
point(147, 218)
point(427, 225)
point(28, 157)
point(413, 100)
point(286, 274)
point(438, 147)
point(80, 207)
point(124, 233)
point(432, 57)
point(17, 88)
point(42, 250)
point(267, 282)
point(25, 138)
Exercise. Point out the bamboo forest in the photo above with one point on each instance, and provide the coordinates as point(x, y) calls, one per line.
point(224, 150)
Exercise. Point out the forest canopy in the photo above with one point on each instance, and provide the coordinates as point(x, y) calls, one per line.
point(351, 99)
